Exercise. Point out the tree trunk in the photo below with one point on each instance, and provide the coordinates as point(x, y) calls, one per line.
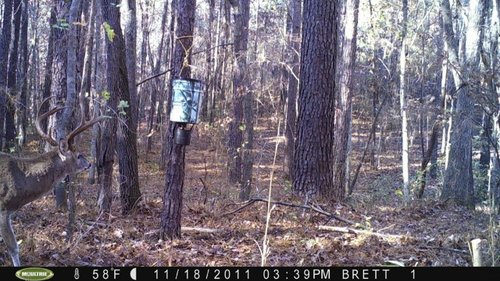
point(293, 85)
point(175, 154)
point(59, 87)
point(12, 87)
point(208, 75)
point(458, 181)
point(129, 11)
point(346, 57)
point(236, 128)
point(404, 107)
point(241, 127)
point(47, 79)
point(24, 62)
point(314, 167)
point(115, 59)
point(172, 61)
point(5, 37)
point(126, 135)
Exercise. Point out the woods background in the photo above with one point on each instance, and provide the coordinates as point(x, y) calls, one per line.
point(360, 131)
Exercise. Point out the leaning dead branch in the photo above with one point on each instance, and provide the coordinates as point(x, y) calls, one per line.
point(306, 207)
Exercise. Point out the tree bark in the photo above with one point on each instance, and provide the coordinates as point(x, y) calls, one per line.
point(236, 128)
point(315, 125)
point(458, 183)
point(346, 58)
point(126, 135)
point(404, 107)
point(175, 154)
point(24, 63)
point(12, 87)
point(129, 11)
point(293, 85)
point(114, 86)
point(243, 95)
point(5, 38)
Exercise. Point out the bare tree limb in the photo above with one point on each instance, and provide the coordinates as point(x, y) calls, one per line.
point(307, 207)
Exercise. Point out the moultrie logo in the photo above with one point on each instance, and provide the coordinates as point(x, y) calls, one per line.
point(34, 274)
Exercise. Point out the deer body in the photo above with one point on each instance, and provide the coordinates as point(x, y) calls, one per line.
point(29, 178)
point(23, 180)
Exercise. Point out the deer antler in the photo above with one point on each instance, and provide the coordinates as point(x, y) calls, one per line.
point(82, 126)
point(39, 119)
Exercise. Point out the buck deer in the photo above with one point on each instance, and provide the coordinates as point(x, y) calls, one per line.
point(22, 180)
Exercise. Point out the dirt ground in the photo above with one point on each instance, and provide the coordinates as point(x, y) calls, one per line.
point(426, 233)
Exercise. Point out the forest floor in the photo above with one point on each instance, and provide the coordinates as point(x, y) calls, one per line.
point(426, 233)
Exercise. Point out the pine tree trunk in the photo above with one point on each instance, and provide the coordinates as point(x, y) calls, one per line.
point(175, 154)
point(347, 35)
point(314, 167)
point(5, 37)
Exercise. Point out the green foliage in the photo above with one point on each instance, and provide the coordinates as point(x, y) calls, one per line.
point(480, 182)
point(61, 24)
point(105, 95)
point(122, 105)
point(110, 33)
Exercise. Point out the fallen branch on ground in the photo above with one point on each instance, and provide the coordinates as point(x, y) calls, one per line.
point(458, 251)
point(307, 207)
point(359, 231)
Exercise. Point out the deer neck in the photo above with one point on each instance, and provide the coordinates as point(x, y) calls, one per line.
point(49, 170)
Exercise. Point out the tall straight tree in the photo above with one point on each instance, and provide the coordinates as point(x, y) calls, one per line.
point(12, 87)
point(129, 12)
point(59, 86)
point(118, 86)
point(241, 126)
point(458, 182)
point(293, 84)
point(175, 154)
point(235, 133)
point(107, 143)
point(314, 166)
point(23, 77)
point(346, 57)
point(403, 105)
point(5, 37)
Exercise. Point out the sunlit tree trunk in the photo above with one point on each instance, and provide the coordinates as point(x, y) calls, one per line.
point(403, 104)
point(346, 57)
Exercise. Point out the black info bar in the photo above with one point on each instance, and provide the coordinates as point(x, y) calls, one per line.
point(246, 273)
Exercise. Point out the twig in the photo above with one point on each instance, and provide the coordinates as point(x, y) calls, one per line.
point(463, 252)
point(307, 207)
point(154, 76)
point(168, 70)
point(359, 231)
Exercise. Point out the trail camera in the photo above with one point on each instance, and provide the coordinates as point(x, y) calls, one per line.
point(187, 96)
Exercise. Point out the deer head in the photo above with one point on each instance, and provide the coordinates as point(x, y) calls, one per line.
point(74, 161)
point(22, 180)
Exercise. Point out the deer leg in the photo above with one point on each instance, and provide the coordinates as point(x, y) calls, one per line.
point(9, 237)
